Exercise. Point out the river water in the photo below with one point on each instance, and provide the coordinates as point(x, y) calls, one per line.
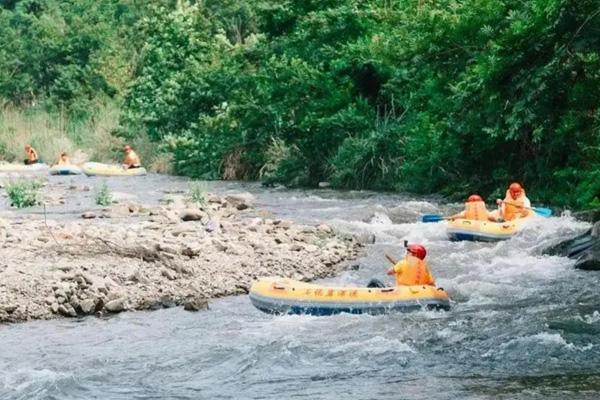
point(522, 325)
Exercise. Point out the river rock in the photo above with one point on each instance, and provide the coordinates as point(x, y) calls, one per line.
point(67, 310)
point(169, 274)
point(88, 215)
point(119, 211)
point(195, 304)
point(241, 201)
point(590, 259)
point(324, 228)
point(115, 306)
point(87, 306)
point(192, 214)
point(184, 227)
point(584, 248)
point(588, 215)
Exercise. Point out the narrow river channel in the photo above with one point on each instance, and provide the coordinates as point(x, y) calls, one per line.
point(522, 325)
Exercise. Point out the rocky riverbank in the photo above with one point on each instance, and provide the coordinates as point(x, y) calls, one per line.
point(133, 257)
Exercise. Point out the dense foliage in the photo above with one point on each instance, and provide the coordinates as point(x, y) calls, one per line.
point(456, 96)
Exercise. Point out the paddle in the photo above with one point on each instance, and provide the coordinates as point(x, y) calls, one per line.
point(391, 259)
point(544, 212)
point(433, 218)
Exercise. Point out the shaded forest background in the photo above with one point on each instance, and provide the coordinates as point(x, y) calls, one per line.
point(445, 96)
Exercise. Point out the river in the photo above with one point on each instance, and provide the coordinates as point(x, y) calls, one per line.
point(522, 325)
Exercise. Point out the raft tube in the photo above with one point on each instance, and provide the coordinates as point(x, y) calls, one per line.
point(64, 170)
point(484, 231)
point(99, 169)
point(276, 295)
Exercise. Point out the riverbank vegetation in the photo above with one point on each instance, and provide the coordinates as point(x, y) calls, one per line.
point(447, 96)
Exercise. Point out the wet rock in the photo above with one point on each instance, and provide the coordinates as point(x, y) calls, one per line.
point(67, 310)
point(324, 185)
point(74, 302)
point(191, 214)
point(584, 248)
point(588, 215)
point(590, 261)
point(195, 304)
point(241, 201)
point(54, 308)
point(115, 306)
point(87, 306)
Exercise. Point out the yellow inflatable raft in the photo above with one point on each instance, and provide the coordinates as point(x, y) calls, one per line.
point(64, 170)
point(276, 295)
point(486, 231)
point(99, 169)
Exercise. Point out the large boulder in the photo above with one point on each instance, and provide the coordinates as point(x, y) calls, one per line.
point(588, 215)
point(584, 248)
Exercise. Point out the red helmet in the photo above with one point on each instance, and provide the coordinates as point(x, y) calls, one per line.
point(474, 197)
point(417, 250)
point(515, 188)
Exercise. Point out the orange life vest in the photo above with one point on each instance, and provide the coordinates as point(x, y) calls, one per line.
point(413, 271)
point(476, 210)
point(512, 208)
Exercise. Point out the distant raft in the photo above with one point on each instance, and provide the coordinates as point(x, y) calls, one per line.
point(37, 167)
point(485, 231)
point(65, 170)
point(276, 295)
point(99, 169)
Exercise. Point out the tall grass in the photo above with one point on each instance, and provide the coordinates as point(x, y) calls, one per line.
point(83, 139)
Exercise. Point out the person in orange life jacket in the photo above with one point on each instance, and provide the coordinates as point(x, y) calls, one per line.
point(413, 270)
point(515, 204)
point(131, 159)
point(32, 155)
point(474, 209)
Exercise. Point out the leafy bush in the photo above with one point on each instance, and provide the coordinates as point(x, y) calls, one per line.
point(24, 193)
point(103, 195)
